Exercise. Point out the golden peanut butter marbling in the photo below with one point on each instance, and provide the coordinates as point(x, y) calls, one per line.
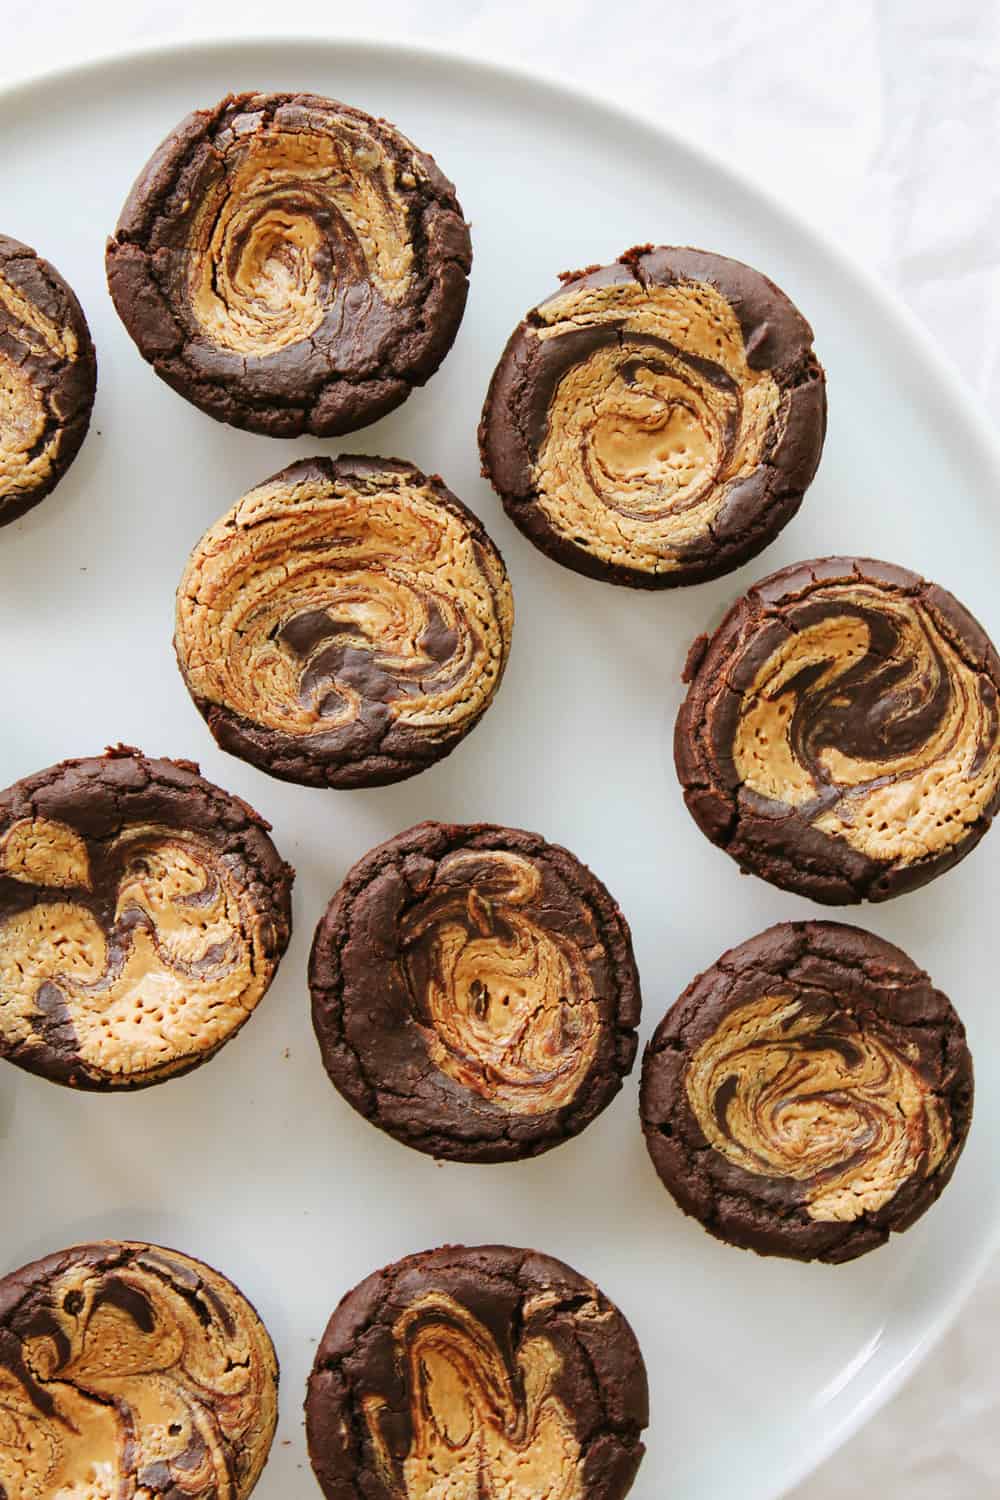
point(786, 1091)
point(643, 440)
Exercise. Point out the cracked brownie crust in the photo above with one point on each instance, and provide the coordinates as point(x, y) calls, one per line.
point(345, 624)
point(48, 377)
point(143, 913)
point(129, 1369)
point(474, 992)
point(809, 1094)
point(485, 1371)
point(840, 735)
point(290, 264)
point(655, 422)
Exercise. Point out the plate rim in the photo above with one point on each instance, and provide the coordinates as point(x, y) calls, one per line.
point(908, 326)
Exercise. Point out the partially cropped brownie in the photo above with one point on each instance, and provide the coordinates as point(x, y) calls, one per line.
point(656, 421)
point(290, 264)
point(127, 1369)
point(143, 914)
point(477, 1372)
point(48, 377)
point(809, 1094)
point(840, 735)
point(474, 992)
point(345, 624)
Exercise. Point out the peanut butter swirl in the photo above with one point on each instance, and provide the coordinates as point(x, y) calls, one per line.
point(48, 375)
point(866, 714)
point(639, 428)
point(809, 1094)
point(291, 264)
point(478, 1432)
point(130, 957)
point(345, 623)
point(130, 1370)
point(506, 1004)
point(295, 212)
point(476, 1374)
point(474, 991)
point(785, 1091)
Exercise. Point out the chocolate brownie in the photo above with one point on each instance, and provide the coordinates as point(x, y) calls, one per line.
point(474, 992)
point(477, 1372)
point(290, 264)
point(48, 377)
point(840, 735)
point(655, 422)
point(809, 1094)
point(126, 1369)
point(143, 913)
point(345, 624)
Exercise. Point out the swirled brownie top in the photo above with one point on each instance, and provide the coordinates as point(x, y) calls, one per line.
point(474, 991)
point(143, 913)
point(48, 376)
point(291, 264)
point(126, 1369)
point(840, 735)
point(809, 1094)
point(656, 421)
point(346, 623)
point(477, 1372)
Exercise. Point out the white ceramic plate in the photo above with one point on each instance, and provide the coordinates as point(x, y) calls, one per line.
point(757, 1368)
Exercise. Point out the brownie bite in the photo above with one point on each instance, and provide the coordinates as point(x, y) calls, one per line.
point(127, 1369)
point(48, 378)
point(656, 422)
point(474, 992)
point(486, 1371)
point(840, 735)
point(143, 914)
point(345, 624)
point(290, 264)
point(809, 1094)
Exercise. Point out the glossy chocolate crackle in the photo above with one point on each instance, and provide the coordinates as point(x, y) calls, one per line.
point(48, 377)
point(126, 1369)
point(143, 913)
point(474, 992)
point(655, 422)
point(345, 624)
point(809, 1094)
point(840, 735)
point(477, 1374)
point(290, 264)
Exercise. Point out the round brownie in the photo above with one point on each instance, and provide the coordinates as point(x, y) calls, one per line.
point(655, 422)
point(126, 1369)
point(143, 913)
point(474, 992)
point(291, 265)
point(48, 377)
point(345, 624)
point(809, 1094)
point(477, 1372)
point(840, 734)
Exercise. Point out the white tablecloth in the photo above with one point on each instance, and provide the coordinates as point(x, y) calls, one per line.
point(880, 120)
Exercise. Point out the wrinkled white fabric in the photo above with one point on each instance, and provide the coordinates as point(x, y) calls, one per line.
point(877, 119)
